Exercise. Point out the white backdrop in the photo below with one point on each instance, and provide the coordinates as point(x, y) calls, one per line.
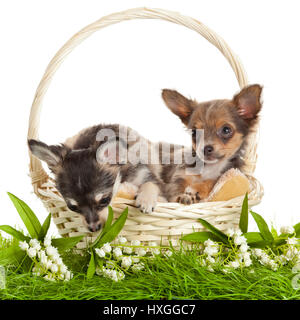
point(117, 76)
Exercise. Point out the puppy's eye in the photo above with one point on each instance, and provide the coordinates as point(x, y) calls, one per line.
point(73, 208)
point(105, 200)
point(226, 131)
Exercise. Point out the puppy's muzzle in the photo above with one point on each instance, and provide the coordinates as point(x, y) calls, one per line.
point(92, 220)
point(94, 226)
point(208, 150)
point(211, 155)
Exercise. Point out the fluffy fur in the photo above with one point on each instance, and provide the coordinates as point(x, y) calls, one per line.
point(226, 125)
point(86, 179)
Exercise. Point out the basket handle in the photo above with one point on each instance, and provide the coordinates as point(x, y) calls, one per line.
point(38, 174)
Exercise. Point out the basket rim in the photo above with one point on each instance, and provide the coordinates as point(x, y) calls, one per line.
point(48, 191)
point(168, 222)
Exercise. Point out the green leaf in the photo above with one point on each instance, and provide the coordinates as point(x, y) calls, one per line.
point(113, 231)
point(92, 267)
point(274, 232)
point(29, 218)
point(297, 230)
point(199, 237)
point(255, 240)
point(109, 220)
point(259, 244)
point(263, 227)
point(15, 233)
point(244, 215)
point(253, 237)
point(45, 227)
point(280, 241)
point(63, 244)
point(218, 233)
point(99, 262)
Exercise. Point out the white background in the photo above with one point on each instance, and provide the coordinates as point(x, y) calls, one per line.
point(117, 76)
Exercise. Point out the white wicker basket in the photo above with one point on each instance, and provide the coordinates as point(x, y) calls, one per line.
point(170, 220)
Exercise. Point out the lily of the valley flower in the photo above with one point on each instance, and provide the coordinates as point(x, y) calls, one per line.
point(141, 252)
point(23, 245)
point(127, 250)
point(287, 229)
point(51, 251)
point(106, 248)
point(168, 253)
point(126, 262)
point(47, 242)
point(117, 252)
point(100, 252)
point(138, 267)
point(122, 240)
point(35, 244)
point(47, 261)
point(31, 252)
point(239, 240)
point(135, 243)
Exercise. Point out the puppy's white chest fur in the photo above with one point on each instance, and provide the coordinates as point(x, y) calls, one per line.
point(213, 171)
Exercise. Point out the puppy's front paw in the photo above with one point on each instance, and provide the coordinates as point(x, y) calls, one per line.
point(188, 197)
point(146, 202)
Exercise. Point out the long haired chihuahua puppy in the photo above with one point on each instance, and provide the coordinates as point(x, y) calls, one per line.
point(226, 125)
point(88, 180)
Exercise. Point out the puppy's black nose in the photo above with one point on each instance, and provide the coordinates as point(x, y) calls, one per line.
point(208, 150)
point(94, 226)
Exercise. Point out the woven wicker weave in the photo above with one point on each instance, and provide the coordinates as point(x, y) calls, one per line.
point(170, 220)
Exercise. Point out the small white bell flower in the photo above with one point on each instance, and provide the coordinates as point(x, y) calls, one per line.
point(31, 252)
point(106, 247)
point(126, 262)
point(23, 245)
point(100, 252)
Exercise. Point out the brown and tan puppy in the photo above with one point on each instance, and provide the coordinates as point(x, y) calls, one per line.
point(226, 125)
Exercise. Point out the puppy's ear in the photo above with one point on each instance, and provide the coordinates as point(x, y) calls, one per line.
point(117, 184)
point(113, 151)
point(248, 102)
point(52, 155)
point(178, 104)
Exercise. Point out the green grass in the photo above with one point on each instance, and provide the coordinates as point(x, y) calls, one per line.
point(178, 277)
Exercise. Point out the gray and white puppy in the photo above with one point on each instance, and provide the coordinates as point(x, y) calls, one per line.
point(88, 180)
